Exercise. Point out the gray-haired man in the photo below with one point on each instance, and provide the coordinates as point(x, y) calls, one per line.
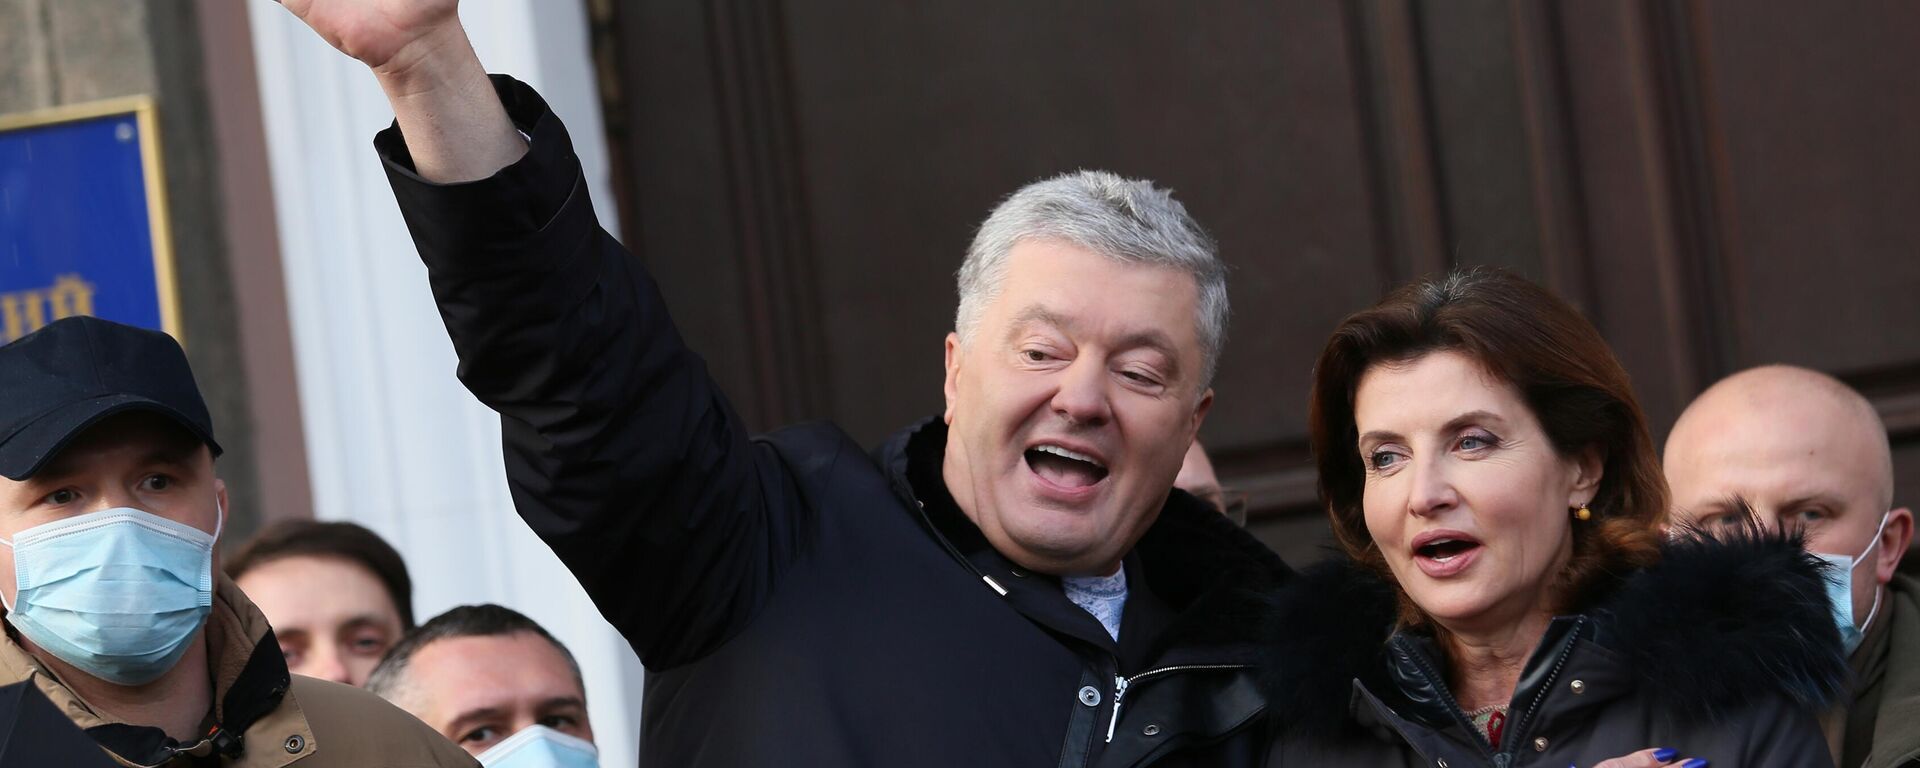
point(1011, 584)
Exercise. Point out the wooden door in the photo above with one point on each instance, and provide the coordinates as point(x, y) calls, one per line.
point(1717, 183)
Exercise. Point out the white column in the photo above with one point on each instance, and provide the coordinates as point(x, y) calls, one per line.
point(395, 443)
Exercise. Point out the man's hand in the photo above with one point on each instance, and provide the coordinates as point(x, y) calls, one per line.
point(454, 125)
point(383, 34)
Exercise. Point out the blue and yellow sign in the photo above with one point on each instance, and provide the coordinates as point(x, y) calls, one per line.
point(83, 219)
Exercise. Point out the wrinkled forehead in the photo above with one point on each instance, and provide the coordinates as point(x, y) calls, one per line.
point(1067, 287)
point(1432, 389)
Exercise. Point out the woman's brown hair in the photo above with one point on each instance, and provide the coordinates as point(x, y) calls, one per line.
point(1531, 340)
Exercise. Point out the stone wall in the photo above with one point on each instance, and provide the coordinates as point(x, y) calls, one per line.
point(60, 52)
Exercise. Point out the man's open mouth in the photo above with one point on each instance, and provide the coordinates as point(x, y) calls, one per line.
point(1065, 467)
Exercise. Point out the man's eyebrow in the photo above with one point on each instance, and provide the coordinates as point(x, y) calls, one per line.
point(562, 701)
point(1154, 339)
point(1032, 314)
point(1822, 499)
point(172, 452)
point(460, 721)
point(1151, 338)
point(1734, 504)
point(361, 620)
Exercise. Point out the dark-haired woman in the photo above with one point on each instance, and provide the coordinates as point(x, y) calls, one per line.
point(1507, 597)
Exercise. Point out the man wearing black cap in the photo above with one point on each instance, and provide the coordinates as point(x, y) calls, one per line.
point(109, 511)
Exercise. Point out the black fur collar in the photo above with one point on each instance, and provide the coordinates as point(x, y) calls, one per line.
point(1714, 624)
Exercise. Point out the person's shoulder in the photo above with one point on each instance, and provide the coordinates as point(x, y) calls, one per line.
point(1907, 586)
point(354, 727)
point(809, 437)
point(817, 449)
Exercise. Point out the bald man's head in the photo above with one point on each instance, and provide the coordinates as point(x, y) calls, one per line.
point(1776, 416)
point(1798, 448)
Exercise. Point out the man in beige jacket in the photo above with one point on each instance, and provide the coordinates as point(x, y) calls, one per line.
point(109, 511)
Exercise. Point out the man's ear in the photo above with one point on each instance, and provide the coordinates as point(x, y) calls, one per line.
point(951, 388)
point(1588, 467)
point(1894, 540)
point(1200, 410)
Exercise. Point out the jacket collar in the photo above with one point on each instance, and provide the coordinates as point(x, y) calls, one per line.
point(1714, 624)
point(1894, 735)
point(1208, 575)
point(249, 675)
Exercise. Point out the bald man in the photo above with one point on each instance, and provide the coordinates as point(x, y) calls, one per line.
point(1787, 446)
point(1197, 477)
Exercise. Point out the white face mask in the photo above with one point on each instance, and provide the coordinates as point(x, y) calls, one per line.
point(118, 593)
point(537, 746)
point(1840, 570)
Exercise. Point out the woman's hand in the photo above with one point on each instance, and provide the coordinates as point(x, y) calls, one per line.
point(1652, 758)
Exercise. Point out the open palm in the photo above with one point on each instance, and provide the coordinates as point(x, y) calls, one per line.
point(380, 33)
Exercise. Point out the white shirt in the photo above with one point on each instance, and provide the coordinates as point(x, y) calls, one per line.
point(1103, 596)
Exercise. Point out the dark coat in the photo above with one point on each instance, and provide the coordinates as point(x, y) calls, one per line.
point(1894, 741)
point(797, 601)
point(1724, 651)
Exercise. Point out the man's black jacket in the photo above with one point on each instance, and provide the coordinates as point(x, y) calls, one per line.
point(797, 601)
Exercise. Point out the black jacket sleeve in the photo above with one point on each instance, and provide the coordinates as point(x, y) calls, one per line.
point(621, 452)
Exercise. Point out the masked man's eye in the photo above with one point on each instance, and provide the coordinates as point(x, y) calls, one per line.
point(60, 497)
point(480, 735)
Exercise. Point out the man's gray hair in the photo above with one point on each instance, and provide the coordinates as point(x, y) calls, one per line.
point(1127, 220)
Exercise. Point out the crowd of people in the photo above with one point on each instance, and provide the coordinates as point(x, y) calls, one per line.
point(1048, 572)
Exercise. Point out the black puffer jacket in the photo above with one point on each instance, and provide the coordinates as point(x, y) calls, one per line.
point(1725, 650)
point(798, 601)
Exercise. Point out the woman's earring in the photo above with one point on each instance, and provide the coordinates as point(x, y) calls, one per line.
point(1583, 514)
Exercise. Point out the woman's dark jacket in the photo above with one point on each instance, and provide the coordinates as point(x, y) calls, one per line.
point(797, 600)
point(1725, 650)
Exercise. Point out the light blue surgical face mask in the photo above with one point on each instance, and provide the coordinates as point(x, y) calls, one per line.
point(1839, 574)
point(537, 746)
point(117, 593)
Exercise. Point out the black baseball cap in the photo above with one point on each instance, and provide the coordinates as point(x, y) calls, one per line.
point(59, 380)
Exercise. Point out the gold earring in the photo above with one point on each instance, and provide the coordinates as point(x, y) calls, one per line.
point(1583, 514)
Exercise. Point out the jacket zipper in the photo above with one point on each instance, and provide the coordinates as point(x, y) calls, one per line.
point(1453, 706)
point(1119, 692)
point(1120, 685)
point(1546, 686)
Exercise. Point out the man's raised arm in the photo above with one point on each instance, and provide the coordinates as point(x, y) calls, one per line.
point(454, 125)
point(621, 452)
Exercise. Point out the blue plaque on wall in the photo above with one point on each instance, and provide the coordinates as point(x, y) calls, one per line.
point(83, 218)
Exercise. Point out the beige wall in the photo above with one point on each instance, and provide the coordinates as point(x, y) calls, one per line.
point(56, 52)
